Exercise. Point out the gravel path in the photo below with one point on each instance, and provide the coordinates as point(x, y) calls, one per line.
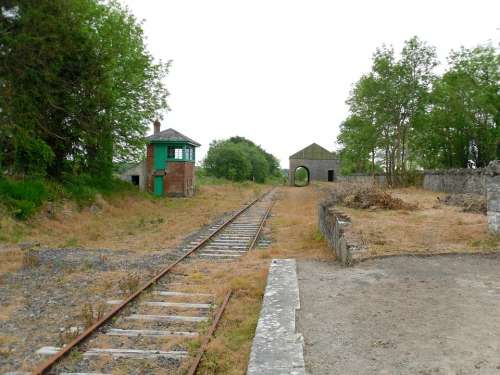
point(402, 315)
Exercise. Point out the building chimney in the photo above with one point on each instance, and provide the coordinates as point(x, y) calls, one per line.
point(157, 127)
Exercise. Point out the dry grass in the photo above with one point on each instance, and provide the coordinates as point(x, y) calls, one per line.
point(294, 225)
point(11, 259)
point(136, 222)
point(433, 227)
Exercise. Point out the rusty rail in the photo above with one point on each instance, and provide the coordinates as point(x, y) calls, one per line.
point(208, 337)
point(262, 222)
point(47, 365)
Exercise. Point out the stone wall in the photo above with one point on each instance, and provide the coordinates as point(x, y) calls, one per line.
point(137, 170)
point(492, 183)
point(364, 179)
point(318, 169)
point(334, 225)
point(459, 181)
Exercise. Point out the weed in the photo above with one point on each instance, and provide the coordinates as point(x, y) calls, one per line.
point(68, 335)
point(102, 258)
point(70, 242)
point(193, 346)
point(75, 356)
point(318, 236)
point(90, 314)
point(129, 283)
point(87, 265)
point(30, 258)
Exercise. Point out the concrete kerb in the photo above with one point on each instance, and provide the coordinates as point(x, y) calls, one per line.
point(277, 348)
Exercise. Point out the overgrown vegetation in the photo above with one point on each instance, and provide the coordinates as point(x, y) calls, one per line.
point(404, 116)
point(239, 159)
point(24, 197)
point(301, 176)
point(78, 90)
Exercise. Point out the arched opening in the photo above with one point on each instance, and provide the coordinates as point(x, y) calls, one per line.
point(301, 176)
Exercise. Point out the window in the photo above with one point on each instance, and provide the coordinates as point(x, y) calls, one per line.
point(171, 152)
point(174, 153)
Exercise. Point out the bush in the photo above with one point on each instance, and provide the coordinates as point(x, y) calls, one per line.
point(23, 197)
point(239, 159)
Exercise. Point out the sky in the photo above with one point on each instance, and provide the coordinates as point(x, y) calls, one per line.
point(278, 72)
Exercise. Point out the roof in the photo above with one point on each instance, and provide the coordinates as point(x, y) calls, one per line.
point(171, 135)
point(314, 152)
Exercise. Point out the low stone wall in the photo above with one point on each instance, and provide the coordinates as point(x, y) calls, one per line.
point(363, 179)
point(492, 183)
point(334, 225)
point(459, 181)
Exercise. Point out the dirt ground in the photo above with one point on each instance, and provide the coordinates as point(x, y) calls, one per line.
point(432, 227)
point(402, 315)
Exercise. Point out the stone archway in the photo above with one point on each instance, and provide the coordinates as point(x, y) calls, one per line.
point(301, 176)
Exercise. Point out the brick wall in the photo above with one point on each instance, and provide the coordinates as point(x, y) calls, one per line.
point(179, 179)
point(149, 167)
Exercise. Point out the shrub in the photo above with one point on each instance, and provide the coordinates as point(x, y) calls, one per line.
point(23, 197)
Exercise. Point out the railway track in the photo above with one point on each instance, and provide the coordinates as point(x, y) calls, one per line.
point(155, 329)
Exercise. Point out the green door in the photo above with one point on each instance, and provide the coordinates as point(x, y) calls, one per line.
point(158, 188)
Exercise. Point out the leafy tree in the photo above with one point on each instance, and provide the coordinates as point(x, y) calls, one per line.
point(239, 159)
point(78, 86)
point(463, 122)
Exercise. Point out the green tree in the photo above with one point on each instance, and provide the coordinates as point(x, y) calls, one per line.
point(463, 122)
point(78, 86)
point(239, 159)
point(386, 105)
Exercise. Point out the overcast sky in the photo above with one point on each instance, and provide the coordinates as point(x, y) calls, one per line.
point(279, 71)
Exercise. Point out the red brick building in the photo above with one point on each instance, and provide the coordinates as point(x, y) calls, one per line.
point(169, 166)
point(170, 160)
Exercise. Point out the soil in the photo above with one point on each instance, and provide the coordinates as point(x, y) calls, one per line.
point(401, 315)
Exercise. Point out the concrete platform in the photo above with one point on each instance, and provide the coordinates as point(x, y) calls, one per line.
point(277, 348)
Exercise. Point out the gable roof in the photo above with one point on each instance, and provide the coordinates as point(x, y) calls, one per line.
point(314, 152)
point(171, 135)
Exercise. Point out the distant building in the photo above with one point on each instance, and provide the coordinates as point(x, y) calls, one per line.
point(320, 164)
point(169, 166)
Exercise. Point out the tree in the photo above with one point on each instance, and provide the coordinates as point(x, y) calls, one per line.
point(386, 105)
point(78, 86)
point(463, 123)
point(239, 159)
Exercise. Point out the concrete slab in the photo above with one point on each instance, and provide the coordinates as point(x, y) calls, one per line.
point(277, 347)
point(402, 315)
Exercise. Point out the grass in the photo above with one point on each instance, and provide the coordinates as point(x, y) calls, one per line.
point(431, 227)
point(134, 221)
